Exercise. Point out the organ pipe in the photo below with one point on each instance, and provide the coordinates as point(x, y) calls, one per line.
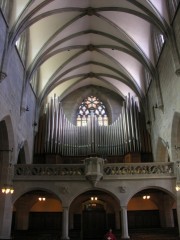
point(126, 134)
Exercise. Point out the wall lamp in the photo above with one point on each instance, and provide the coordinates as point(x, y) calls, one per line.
point(7, 189)
point(25, 109)
point(177, 188)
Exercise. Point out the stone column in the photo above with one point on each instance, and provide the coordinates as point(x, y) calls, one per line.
point(22, 216)
point(65, 224)
point(166, 212)
point(6, 210)
point(117, 219)
point(124, 223)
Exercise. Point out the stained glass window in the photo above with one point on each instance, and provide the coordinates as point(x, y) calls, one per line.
point(92, 105)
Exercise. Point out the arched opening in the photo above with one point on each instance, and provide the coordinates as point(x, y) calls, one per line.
point(92, 213)
point(152, 211)
point(4, 149)
point(37, 213)
point(6, 152)
point(162, 151)
point(21, 157)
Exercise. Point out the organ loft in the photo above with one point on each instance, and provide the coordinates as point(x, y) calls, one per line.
point(89, 119)
point(92, 132)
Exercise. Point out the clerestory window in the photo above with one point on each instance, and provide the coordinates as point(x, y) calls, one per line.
point(92, 105)
point(159, 41)
point(21, 45)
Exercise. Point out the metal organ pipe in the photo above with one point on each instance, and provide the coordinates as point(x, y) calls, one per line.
point(119, 138)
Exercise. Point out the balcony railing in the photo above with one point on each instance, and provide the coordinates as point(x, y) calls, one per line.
point(77, 171)
point(139, 169)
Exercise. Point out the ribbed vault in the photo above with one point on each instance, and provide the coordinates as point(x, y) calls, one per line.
point(105, 43)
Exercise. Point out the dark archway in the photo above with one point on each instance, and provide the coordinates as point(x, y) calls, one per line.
point(152, 211)
point(37, 213)
point(92, 213)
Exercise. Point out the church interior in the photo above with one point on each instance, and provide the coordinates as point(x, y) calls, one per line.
point(89, 119)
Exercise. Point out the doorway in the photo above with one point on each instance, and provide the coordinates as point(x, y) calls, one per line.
point(93, 221)
point(99, 211)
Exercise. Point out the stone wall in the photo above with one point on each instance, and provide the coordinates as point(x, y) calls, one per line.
point(12, 100)
point(162, 119)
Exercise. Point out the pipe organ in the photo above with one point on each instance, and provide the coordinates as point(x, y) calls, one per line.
point(57, 135)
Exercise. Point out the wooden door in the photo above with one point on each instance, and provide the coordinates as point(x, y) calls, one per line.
point(93, 224)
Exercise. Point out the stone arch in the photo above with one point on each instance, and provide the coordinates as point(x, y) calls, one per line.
point(28, 206)
point(160, 188)
point(103, 190)
point(98, 214)
point(153, 203)
point(8, 141)
point(7, 154)
point(23, 190)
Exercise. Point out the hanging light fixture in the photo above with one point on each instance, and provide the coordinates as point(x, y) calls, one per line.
point(7, 189)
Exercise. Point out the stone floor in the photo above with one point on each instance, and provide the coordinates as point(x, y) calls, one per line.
point(135, 234)
point(155, 234)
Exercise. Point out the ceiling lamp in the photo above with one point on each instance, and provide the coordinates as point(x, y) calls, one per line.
point(94, 198)
point(42, 199)
point(146, 197)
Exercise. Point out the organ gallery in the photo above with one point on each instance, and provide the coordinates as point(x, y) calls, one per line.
point(91, 134)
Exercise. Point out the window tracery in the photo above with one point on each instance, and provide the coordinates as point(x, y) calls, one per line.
point(92, 105)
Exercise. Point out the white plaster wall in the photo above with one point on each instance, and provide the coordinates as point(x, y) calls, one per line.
point(170, 88)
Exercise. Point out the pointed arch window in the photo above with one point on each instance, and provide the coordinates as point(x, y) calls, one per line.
point(159, 41)
point(92, 105)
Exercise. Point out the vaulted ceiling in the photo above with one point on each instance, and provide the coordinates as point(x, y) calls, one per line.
point(77, 43)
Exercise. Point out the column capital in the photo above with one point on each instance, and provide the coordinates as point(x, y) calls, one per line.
point(124, 207)
point(65, 207)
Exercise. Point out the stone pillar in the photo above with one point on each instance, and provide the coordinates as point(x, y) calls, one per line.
point(117, 219)
point(166, 212)
point(124, 223)
point(6, 210)
point(65, 224)
point(22, 217)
